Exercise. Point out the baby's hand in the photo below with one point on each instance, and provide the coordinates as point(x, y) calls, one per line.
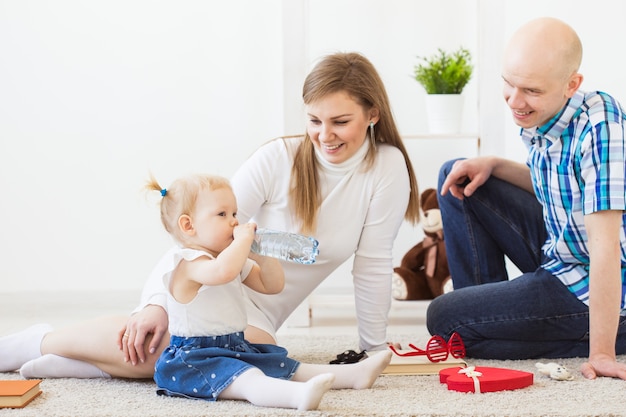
point(244, 231)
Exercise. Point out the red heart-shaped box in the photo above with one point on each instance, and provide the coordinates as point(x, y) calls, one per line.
point(491, 380)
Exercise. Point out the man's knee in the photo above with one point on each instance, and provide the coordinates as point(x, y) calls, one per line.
point(445, 169)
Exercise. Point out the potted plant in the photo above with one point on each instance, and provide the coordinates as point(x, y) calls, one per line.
point(444, 76)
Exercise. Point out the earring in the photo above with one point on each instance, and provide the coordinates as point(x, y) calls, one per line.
point(372, 137)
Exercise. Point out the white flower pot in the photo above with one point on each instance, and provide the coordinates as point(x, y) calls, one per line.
point(445, 113)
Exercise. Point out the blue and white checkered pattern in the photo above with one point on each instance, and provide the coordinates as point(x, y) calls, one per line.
point(578, 165)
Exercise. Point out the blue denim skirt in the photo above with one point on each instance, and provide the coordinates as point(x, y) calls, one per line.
point(202, 367)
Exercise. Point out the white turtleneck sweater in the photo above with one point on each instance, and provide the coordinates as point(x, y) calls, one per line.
point(361, 212)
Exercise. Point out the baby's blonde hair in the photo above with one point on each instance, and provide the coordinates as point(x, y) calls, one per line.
point(180, 198)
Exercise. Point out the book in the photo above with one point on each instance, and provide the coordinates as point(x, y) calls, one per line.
point(419, 365)
point(16, 393)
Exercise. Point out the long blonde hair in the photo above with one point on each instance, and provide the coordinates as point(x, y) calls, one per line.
point(180, 198)
point(355, 75)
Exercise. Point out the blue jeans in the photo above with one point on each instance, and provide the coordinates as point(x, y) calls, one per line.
point(531, 316)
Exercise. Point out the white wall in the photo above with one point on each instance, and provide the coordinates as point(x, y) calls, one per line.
point(95, 94)
point(600, 26)
point(392, 34)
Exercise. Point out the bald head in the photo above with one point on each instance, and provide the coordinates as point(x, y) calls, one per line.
point(540, 70)
point(547, 47)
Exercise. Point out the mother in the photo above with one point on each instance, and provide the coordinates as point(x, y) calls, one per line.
point(348, 181)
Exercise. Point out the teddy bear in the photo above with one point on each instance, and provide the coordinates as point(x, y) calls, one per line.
point(423, 271)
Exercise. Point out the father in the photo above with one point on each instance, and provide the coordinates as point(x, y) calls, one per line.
point(559, 218)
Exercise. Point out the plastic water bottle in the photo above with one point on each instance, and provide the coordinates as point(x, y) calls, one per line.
point(287, 246)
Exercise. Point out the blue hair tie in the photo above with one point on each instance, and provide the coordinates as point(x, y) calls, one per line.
point(163, 192)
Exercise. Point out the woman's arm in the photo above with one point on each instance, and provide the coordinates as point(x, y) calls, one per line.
point(373, 261)
point(258, 179)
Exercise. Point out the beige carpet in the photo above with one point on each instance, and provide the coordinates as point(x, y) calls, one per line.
point(390, 396)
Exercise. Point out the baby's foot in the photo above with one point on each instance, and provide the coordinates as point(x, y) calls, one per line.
point(370, 368)
point(313, 390)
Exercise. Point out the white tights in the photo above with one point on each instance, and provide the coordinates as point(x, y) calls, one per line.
point(308, 385)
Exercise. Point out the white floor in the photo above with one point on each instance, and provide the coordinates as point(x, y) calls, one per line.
point(328, 315)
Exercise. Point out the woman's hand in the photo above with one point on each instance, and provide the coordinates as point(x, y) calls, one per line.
point(152, 320)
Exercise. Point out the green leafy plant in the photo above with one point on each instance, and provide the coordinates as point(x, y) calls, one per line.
point(445, 73)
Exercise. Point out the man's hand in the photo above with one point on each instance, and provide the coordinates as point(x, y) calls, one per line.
point(466, 176)
point(603, 366)
point(152, 320)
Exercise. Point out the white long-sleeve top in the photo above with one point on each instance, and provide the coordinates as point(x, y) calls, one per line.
point(361, 212)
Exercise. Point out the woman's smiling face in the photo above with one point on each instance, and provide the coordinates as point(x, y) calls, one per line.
point(337, 125)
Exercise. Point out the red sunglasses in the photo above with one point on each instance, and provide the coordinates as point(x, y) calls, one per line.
point(437, 349)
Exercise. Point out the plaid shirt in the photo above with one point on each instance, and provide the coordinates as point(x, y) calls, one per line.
point(578, 166)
